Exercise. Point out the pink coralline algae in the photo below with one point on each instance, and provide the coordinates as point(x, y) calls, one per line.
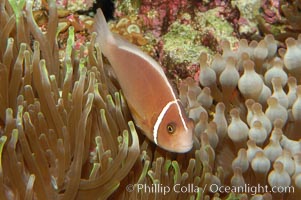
point(204, 6)
point(80, 40)
point(62, 3)
point(280, 18)
point(271, 11)
point(158, 15)
point(179, 30)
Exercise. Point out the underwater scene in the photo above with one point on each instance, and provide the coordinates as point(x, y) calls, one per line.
point(150, 100)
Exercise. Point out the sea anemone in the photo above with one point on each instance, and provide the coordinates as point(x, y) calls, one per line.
point(262, 113)
point(65, 130)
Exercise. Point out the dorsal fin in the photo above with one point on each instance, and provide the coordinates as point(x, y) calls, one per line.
point(104, 35)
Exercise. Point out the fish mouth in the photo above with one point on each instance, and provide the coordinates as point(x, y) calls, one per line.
point(181, 148)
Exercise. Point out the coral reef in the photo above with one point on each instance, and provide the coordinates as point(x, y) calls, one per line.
point(248, 12)
point(280, 18)
point(74, 5)
point(202, 26)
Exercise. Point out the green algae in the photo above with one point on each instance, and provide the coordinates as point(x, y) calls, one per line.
point(182, 43)
point(248, 11)
point(128, 7)
point(211, 21)
point(179, 44)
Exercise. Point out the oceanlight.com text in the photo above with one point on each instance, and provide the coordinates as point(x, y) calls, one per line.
point(251, 189)
point(213, 188)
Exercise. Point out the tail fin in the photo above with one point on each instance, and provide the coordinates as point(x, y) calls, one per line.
point(104, 35)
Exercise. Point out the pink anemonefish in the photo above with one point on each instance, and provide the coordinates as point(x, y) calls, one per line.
point(150, 97)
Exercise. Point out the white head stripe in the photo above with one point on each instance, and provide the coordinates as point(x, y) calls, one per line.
point(160, 118)
point(182, 119)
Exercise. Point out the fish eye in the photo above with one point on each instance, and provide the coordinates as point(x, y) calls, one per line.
point(171, 128)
